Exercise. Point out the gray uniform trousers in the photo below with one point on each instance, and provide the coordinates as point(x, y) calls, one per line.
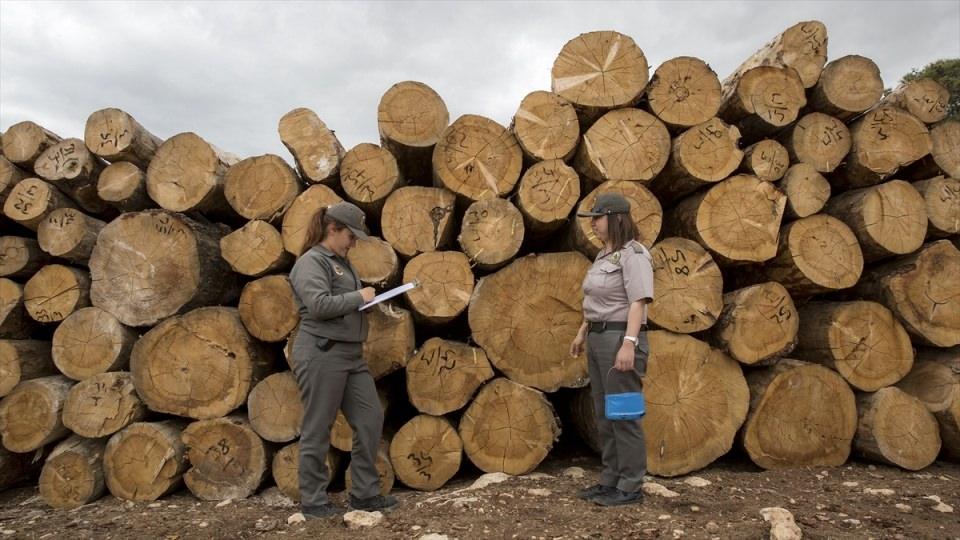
point(329, 380)
point(623, 451)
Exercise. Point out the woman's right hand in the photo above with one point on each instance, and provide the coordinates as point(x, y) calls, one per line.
point(367, 293)
point(576, 347)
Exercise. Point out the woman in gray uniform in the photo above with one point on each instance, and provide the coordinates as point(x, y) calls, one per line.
point(329, 365)
point(616, 292)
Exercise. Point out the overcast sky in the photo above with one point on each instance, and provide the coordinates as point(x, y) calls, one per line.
point(229, 70)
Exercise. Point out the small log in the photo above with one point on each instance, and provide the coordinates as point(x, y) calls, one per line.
point(124, 185)
point(228, 459)
point(806, 189)
point(22, 360)
point(286, 466)
point(848, 86)
point(762, 100)
point(418, 220)
point(702, 155)
point(547, 193)
point(528, 340)
point(201, 365)
point(546, 127)
point(758, 324)
point(69, 234)
point(368, 175)
point(884, 140)
point(145, 461)
point(443, 375)
point(186, 174)
point(477, 158)
point(114, 135)
point(91, 341)
point(594, 87)
point(491, 233)
point(384, 471)
point(926, 99)
point(860, 340)
point(410, 117)
point(30, 414)
point(102, 405)
point(942, 198)
point(313, 145)
point(261, 187)
point(507, 428)
point(73, 169)
point(935, 378)
point(426, 452)
point(55, 292)
point(390, 339)
point(446, 283)
point(888, 219)
point(624, 144)
point(895, 428)
point(268, 309)
point(684, 92)
point(819, 140)
point(275, 409)
point(803, 47)
point(815, 254)
point(32, 200)
point(922, 291)
point(15, 323)
point(768, 160)
point(10, 176)
point(72, 476)
point(376, 262)
point(945, 156)
point(25, 141)
point(21, 257)
point(688, 286)
point(645, 212)
point(801, 415)
point(298, 216)
point(255, 250)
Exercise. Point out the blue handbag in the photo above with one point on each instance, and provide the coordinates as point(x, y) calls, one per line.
point(625, 405)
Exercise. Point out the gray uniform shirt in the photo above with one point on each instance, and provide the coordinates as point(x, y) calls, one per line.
point(615, 281)
point(327, 291)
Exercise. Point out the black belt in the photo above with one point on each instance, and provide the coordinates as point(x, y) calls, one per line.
point(603, 326)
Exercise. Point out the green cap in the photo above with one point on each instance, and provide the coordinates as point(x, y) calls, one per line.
point(606, 204)
point(351, 216)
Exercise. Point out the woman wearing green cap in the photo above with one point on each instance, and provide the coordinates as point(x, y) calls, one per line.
point(616, 291)
point(328, 362)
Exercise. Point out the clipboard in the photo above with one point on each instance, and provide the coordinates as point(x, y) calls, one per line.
point(396, 291)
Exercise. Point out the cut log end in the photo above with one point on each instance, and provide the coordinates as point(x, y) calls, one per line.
point(896, 428)
point(684, 92)
point(477, 158)
point(446, 283)
point(688, 285)
point(145, 461)
point(426, 452)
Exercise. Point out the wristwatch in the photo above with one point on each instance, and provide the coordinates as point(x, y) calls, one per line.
point(635, 341)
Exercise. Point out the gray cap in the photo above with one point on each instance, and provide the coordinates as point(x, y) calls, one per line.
point(351, 216)
point(606, 204)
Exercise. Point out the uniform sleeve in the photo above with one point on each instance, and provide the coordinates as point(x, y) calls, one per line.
point(311, 282)
point(637, 277)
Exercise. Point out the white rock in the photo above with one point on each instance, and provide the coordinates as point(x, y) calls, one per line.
point(8, 532)
point(678, 533)
point(274, 497)
point(574, 472)
point(852, 522)
point(664, 517)
point(489, 479)
point(538, 476)
point(782, 525)
point(851, 484)
point(415, 528)
point(653, 488)
point(296, 518)
point(713, 527)
point(434, 536)
point(884, 491)
point(359, 518)
point(226, 502)
point(905, 508)
point(940, 507)
point(203, 525)
point(694, 509)
point(696, 481)
point(153, 505)
point(539, 492)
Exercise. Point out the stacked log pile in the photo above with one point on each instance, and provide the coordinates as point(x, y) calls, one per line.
point(804, 235)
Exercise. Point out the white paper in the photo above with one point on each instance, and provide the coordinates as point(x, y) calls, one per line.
point(396, 291)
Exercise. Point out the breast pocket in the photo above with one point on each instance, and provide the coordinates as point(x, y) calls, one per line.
point(611, 275)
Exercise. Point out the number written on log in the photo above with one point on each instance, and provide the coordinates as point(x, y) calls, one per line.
point(62, 159)
point(442, 360)
point(679, 262)
point(42, 315)
point(112, 138)
point(63, 219)
point(950, 192)
point(830, 135)
point(473, 221)
point(421, 463)
point(167, 227)
point(776, 310)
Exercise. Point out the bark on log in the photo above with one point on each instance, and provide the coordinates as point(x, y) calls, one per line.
point(410, 118)
point(737, 220)
point(491, 233)
point(314, 146)
point(15, 323)
point(124, 185)
point(594, 86)
point(286, 466)
point(702, 155)
point(944, 158)
point(298, 216)
point(942, 200)
point(884, 140)
point(72, 476)
point(261, 187)
point(368, 175)
point(895, 428)
point(477, 158)
point(860, 340)
point(446, 283)
point(926, 99)
point(69, 234)
point(426, 452)
point(201, 365)
point(228, 459)
point(801, 415)
point(624, 144)
point(91, 341)
point(525, 316)
point(268, 309)
point(16, 468)
point(31, 200)
point(390, 340)
point(848, 86)
point(74, 170)
point(688, 285)
point(758, 323)
point(384, 471)
point(150, 265)
point(255, 250)
point(547, 193)
point(806, 189)
point(645, 211)
point(508, 428)
point(145, 461)
point(684, 92)
point(102, 405)
point(546, 127)
point(10, 176)
point(935, 378)
point(803, 47)
point(55, 292)
point(768, 160)
point(923, 292)
point(25, 141)
point(443, 375)
point(376, 262)
point(949, 421)
point(762, 100)
point(186, 174)
point(21, 257)
point(30, 415)
point(819, 140)
point(418, 220)
point(22, 360)
point(114, 135)
point(275, 409)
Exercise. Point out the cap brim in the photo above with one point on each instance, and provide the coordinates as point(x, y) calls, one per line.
point(358, 233)
point(590, 214)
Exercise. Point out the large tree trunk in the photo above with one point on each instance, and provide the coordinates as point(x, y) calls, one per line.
point(768, 160)
point(275, 409)
point(376, 262)
point(935, 378)
point(410, 117)
point(884, 140)
point(492, 233)
point(102, 405)
point(758, 323)
point(923, 292)
point(801, 415)
point(688, 287)
point(384, 471)
point(297, 219)
point(368, 175)
point(426, 452)
point(228, 459)
point(926, 99)
point(150, 265)
point(115, 136)
point(186, 174)
point(702, 155)
point(261, 187)
point(55, 292)
point(624, 144)
point(762, 100)
point(21, 257)
point(201, 365)
point(30, 414)
point(15, 323)
point(802, 47)
point(684, 92)
point(942, 198)
point(286, 465)
point(860, 340)
point(91, 341)
point(146, 460)
point(507, 428)
point(268, 309)
point(314, 146)
point(390, 341)
point(806, 189)
point(547, 193)
point(418, 220)
point(22, 360)
point(73, 169)
point(32, 200)
point(444, 375)
point(546, 127)
point(72, 476)
point(69, 234)
point(25, 141)
point(525, 316)
point(819, 140)
point(645, 212)
point(124, 185)
point(255, 250)
point(848, 86)
point(445, 285)
point(477, 158)
point(895, 428)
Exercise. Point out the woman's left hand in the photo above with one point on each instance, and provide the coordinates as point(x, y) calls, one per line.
point(625, 357)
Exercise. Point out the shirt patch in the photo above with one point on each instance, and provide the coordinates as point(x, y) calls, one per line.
point(337, 270)
point(615, 257)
